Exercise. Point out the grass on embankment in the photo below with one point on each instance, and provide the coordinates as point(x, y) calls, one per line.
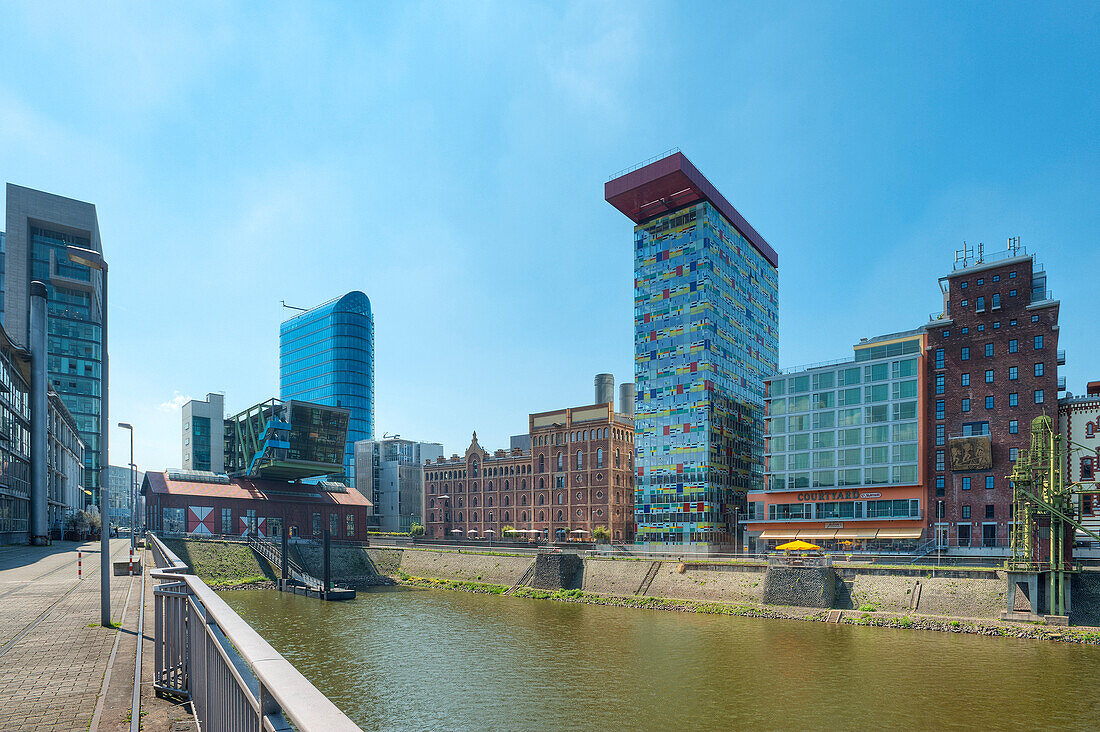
point(1088, 636)
point(222, 563)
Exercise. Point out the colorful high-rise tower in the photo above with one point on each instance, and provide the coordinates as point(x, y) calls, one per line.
point(706, 335)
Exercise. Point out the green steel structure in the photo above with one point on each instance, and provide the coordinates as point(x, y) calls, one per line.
point(1044, 521)
point(279, 440)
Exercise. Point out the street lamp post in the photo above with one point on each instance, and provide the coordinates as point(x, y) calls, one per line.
point(133, 498)
point(94, 260)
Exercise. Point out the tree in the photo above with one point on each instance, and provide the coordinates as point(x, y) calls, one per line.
point(416, 529)
point(508, 532)
point(601, 534)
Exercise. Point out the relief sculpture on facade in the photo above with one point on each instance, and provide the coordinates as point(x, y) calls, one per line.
point(972, 453)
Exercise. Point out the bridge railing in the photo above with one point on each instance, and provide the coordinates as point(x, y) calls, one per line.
point(235, 680)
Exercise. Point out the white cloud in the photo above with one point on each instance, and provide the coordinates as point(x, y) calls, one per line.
point(176, 402)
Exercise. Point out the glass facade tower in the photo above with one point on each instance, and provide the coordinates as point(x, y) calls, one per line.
point(706, 327)
point(327, 357)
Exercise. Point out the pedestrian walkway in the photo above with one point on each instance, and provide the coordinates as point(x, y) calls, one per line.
point(54, 653)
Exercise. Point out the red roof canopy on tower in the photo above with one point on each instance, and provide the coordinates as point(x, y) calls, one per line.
point(672, 183)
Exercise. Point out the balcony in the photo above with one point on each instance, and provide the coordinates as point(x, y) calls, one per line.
point(1061, 357)
point(1061, 383)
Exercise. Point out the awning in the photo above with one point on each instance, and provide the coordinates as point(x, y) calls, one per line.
point(817, 533)
point(856, 534)
point(899, 533)
point(780, 534)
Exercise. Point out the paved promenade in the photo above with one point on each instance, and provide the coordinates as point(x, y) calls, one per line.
point(53, 652)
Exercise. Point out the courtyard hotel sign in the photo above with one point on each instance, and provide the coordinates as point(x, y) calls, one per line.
point(848, 495)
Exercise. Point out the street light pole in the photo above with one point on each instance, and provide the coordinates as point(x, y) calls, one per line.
point(133, 498)
point(94, 260)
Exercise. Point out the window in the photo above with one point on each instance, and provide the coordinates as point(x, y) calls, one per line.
point(1013, 373)
point(966, 379)
point(939, 409)
point(1034, 318)
point(996, 324)
point(599, 457)
point(1087, 471)
point(981, 281)
point(989, 510)
point(966, 405)
point(981, 328)
point(962, 286)
point(996, 303)
point(939, 485)
point(1013, 427)
point(1013, 346)
point(966, 483)
point(940, 383)
point(989, 402)
point(981, 305)
point(939, 460)
point(561, 462)
point(1013, 399)
point(349, 525)
point(1039, 369)
point(989, 482)
point(988, 349)
point(946, 333)
point(939, 358)
point(580, 460)
point(964, 303)
point(965, 514)
point(996, 278)
point(940, 437)
point(1013, 452)
point(227, 520)
point(965, 353)
point(1038, 396)
point(965, 330)
point(1011, 275)
point(989, 376)
point(1012, 293)
point(1038, 342)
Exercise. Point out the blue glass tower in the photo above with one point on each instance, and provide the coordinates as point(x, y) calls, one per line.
point(326, 355)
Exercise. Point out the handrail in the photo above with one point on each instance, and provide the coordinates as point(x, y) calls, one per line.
point(278, 691)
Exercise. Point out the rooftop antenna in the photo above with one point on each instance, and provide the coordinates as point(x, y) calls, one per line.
point(1014, 244)
point(292, 307)
point(981, 253)
point(388, 436)
point(962, 256)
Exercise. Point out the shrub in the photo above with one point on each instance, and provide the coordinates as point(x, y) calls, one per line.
point(416, 529)
point(601, 534)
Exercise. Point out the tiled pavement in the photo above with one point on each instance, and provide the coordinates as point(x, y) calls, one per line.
point(51, 677)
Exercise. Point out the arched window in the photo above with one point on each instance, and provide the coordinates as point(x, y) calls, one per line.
point(580, 460)
point(524, 516)
point(473, 501)
point(507, 516)
point(561, 498)
point(542, 463)
point(523, 499)
point(473, 516)
point(523, 484)
point(489, 501)
point(473, 469)
point(561, 515)
point(561, 462)
point(541, 484)
point(490, 485)
point(542, 499)
point(431, 517)
point(507, 501)
point(490, 519)
point(618, 462)
point(460, 503)
point(505, 485)
point(460, 517)
point(599, 457)
point(542, 515)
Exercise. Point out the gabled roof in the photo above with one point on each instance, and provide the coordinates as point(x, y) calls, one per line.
point(253, 490)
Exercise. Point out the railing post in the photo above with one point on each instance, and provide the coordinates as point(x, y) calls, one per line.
point(327, 580)
point(284, 561)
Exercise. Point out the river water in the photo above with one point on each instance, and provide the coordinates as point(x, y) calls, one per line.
point(407, 658)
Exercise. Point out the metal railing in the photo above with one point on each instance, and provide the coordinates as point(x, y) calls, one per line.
point(273, 553)
point(235, 680)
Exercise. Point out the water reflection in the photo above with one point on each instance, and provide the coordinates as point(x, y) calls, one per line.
point(406, 658)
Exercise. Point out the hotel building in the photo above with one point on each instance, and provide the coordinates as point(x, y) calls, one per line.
point(844, 452)
point(1079, 426)
point(706, 335)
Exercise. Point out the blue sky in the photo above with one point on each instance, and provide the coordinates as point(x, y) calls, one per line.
point(448, 159)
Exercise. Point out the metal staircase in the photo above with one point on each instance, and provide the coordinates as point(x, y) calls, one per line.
point(272, 552)
point(526, 578)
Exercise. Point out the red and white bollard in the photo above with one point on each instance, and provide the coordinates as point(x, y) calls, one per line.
point(78, 574)
point(131, 562)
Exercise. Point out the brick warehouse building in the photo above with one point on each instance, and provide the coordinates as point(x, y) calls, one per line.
point(577, 475)
point(992, 367)
point(196, 502)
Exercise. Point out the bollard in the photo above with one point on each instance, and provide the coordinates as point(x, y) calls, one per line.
point(78, 574)
point(131, 561)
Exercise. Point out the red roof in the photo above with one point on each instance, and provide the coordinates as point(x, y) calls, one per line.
point(254, 490)
point(670, 184)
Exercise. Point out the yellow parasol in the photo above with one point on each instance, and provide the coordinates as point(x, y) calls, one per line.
point(797, 546)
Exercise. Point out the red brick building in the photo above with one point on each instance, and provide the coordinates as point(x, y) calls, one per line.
point(992, 367)
point(193, 502)
point(578, 475)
